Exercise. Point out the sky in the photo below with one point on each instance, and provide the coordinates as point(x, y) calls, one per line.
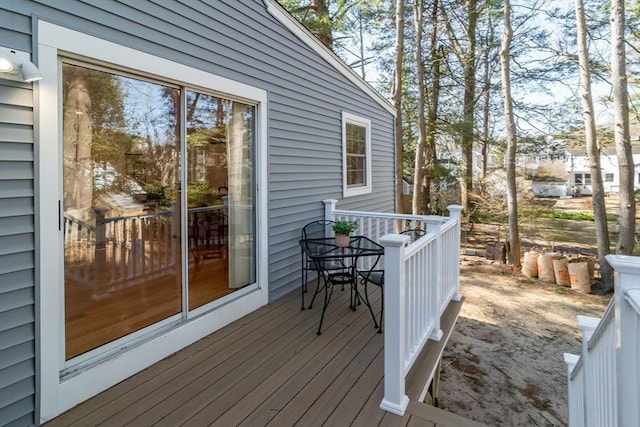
point(558, 92)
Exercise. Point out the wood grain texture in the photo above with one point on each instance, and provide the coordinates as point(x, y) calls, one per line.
point(270, 368)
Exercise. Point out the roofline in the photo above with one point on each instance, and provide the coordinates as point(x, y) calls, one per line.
point(282, 15)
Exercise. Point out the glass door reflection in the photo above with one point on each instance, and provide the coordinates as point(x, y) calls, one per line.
point(220, 188)
point(122, 250)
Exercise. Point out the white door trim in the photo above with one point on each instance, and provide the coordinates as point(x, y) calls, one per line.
point(56, 394)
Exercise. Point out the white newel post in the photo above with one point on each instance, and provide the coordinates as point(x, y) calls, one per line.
point(395, 400)
point(329, 207)
point(588, 326)
point(455, 212)
point(435, 284)
point(627, 287)
point(575, 402)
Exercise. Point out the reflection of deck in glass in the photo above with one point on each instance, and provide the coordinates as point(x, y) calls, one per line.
point(118, 250)
point(118, 265)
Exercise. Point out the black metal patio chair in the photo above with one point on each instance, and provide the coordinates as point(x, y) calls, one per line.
point(316, 230)
point(375, 276)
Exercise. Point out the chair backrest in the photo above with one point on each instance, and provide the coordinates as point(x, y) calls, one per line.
point(414, 233)
point(317, 229)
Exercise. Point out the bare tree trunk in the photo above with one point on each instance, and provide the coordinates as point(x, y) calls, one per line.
point(420, 146)
point(432, 113)
point(361, 44)
point(627, 230)
point(486, 93)
point(599, 206)
point(468, 109)
point(512, 193)
point(397, 101)
point(466, 53)
point(77, 138)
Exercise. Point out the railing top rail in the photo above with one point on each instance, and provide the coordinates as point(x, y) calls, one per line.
point(576, 369)
point(79, 221)
point(450, 223)
point(139, 216)
point(207, 208)
point(418, 244)
point(390, 215)
point(632, 296)
point(607, 318)
point(413, 246)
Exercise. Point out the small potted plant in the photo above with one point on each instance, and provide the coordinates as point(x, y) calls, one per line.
point(343, 229)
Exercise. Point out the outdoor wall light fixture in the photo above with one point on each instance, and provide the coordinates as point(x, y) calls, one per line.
point(13, 64)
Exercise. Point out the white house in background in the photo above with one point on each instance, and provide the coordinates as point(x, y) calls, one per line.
point(577, 166)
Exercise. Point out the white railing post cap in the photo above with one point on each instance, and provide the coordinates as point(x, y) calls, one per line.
point(394, 240)
point(571, 359)
point(624, 263)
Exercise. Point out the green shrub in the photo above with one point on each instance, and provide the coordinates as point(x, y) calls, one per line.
point(575, 216)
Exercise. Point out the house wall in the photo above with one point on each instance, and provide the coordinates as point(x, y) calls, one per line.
point(577, 163)
point(239, 40)
point(17, 286)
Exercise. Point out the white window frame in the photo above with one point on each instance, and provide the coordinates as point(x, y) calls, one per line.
point(59, 394)
point(348, 118)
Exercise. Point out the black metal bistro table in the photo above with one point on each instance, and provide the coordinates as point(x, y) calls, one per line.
point(323, 251)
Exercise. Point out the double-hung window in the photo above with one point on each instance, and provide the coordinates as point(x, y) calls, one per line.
point(582, 179)
point(356, 155)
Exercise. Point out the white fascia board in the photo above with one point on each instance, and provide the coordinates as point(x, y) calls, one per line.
point(285, 18)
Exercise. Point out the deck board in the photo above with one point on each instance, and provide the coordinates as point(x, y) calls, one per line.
point(270, 368)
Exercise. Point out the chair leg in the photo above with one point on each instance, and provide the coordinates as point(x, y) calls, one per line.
point(368, 304)
point(328, 290)
point(303, 285)
point(354, 297)
point(381, 308)
point(318, 279)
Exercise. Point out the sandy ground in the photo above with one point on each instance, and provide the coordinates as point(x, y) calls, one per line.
point(504, 363)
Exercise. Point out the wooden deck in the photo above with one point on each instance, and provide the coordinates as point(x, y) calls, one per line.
point(270, 368)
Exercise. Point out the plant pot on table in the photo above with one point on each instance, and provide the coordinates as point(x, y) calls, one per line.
point(342, 240)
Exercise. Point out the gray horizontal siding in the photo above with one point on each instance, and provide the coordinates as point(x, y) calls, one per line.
point(17, 286)
point(16, 188)
point(15, 152)
point(16, 243)
point(16, 225)
point(16, 133)
point(16, 115)
point(14, 263)
point(16, 95)
point(16, 170)
point(14, 204)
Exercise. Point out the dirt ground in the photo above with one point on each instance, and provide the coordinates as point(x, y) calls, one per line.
point(504, 364)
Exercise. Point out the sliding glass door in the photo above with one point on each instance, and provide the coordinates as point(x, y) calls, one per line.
point(220, 194)
point(127, 203)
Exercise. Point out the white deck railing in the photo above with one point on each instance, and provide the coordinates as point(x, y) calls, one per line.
point(421, 278)
point(604, 380)
point(117, 250)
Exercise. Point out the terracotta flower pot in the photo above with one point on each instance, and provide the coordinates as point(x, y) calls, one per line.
point(342, 240)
